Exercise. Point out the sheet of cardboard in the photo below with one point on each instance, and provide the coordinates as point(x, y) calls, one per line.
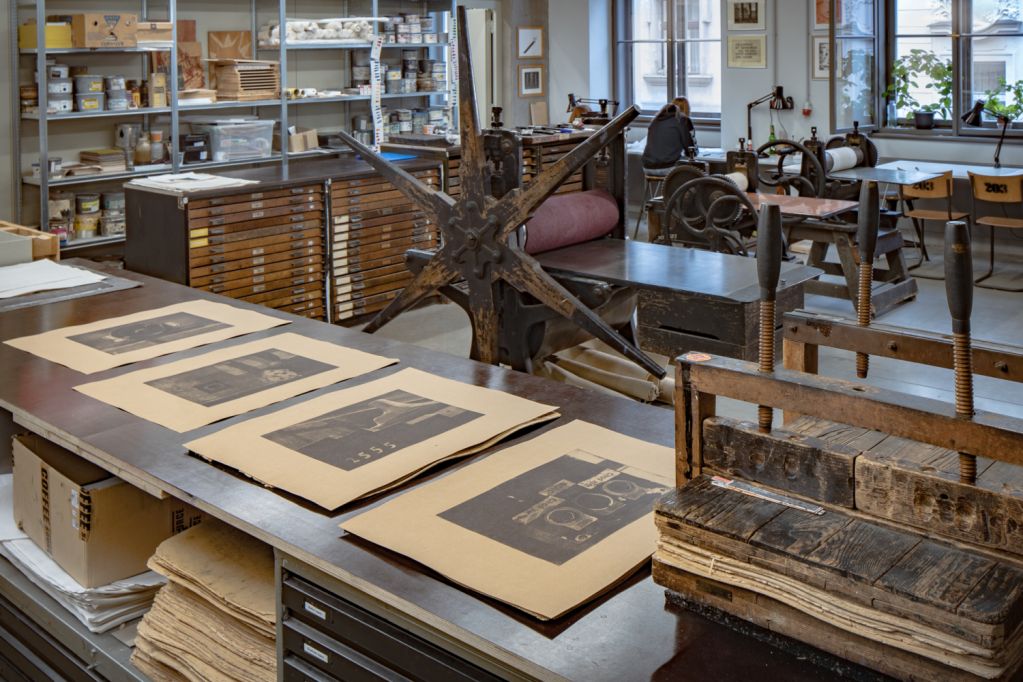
point(545, 525)
point(339, 447)
point(109, 343)
point(187, 394)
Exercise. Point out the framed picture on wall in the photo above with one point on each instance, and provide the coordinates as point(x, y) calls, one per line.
point(530, 42)
point(531, 80)
point(820, 58)
point(821, 9)
point(746, 15)
point(747, 52)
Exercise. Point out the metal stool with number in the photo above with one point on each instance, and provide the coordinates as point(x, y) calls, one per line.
point(939, 188)
point(653, 179)
point(996, 189)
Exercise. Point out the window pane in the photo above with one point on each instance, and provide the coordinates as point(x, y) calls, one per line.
point(995, 16)
point(649, 20)
point(854, 17)
point(993, 61)
point(924, 66)
point(697, 19)
point(649, 75)
point(916, 17)
point(698, 75)
point(855, 86)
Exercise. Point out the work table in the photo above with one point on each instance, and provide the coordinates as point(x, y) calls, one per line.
point(629, 633)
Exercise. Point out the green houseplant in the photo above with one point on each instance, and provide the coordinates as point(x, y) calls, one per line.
point(937, 75)
point(998, 100)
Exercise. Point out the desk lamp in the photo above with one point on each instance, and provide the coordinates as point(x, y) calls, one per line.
point(778, 101)
point(973, 118)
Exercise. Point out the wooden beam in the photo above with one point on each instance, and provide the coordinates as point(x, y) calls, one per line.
point(928, 348)
point(899, 414)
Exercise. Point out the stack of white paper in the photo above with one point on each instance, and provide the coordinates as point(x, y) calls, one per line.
point(43, 275)
point(183, 183)
point(100, 608)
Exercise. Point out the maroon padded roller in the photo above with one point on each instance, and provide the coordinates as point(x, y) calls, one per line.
point(566, 219)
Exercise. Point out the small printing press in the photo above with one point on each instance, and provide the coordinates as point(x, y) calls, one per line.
point(892, 539)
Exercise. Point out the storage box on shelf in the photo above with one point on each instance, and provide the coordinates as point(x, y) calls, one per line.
point(41, 244)
point(232, 139)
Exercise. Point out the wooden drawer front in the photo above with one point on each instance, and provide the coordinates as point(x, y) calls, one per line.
point(287, 297)
point(256, 205)
point(260, 214)
point(200, 243)
point(379, 234)
point(376, 197)
point(352, 308)
point(336, 192)
point(384, 248)
point(397, 205)
point(354, 629)
point(310, 218)
point(296, 670)
point(255, 284)
point(234, 250)
point(313, 309)
point(346, 183)
point(373, 286)
point(366, 266)
point(254, 196)
point(380, 216)
point(257, 270)
point(265, 256)
point(355, 222)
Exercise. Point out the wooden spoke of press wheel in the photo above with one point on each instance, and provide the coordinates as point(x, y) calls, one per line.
point(526, 275)
point(514, 208)
point(433, 202)
point(434, 275)
point(485, 323)
point(474, 162)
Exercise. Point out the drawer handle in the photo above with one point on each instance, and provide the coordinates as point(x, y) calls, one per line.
point(297, 218)
point(217, 221)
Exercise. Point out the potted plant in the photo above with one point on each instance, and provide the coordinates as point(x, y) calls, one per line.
point(1003, 109)
point(937, 73)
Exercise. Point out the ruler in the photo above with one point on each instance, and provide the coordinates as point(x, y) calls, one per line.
point(761, 493)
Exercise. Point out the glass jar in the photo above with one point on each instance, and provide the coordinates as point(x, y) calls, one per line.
point(143, 151)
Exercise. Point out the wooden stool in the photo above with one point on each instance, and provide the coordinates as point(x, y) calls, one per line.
point(995, 189)
point(653, 179)
point(939, 188)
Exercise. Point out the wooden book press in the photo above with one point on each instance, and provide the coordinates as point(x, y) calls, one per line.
point(475, 230)
point(881, 527)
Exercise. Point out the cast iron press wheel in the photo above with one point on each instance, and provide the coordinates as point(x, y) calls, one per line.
point(678, 176)
point(775, 176)
point(711, 210)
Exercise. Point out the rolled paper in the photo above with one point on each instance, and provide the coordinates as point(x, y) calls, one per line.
point(842, 158)
point(739, 180)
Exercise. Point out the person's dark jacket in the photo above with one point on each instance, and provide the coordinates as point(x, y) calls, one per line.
point(667, 138)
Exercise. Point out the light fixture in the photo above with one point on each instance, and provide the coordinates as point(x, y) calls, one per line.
point(974, 116)
point(778, 101)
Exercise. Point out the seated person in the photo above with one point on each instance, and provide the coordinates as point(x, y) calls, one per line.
point(669, 135)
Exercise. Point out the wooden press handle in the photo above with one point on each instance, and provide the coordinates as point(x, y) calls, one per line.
point(958, 275)
point(769, 250)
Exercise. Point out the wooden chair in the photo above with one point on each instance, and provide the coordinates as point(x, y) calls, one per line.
point(938, 188)
point(996, 189)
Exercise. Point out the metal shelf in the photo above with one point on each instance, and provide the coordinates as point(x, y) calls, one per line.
point(75, 244)
point(100, 177)
point(310, 45)
point(97, 114)
point(95, 50)
point(230, 104)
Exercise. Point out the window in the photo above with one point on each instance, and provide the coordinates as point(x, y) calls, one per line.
point(670, 48)
point(854, 85)
point(949, 54)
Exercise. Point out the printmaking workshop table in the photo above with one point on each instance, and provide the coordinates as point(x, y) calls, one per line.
point(630, 633)
point(689, 299)
point(960, 171)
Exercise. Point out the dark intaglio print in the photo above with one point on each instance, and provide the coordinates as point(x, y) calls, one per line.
point(239, 377)
point(559, 509)
point(358, 434)
point(133, 336)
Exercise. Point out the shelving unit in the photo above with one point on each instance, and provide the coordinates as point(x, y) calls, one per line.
point(168, 10)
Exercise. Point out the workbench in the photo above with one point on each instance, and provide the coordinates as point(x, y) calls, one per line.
point(629, 633)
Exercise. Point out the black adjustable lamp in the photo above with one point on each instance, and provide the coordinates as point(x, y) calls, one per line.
point(973, 118)
point(778, 101)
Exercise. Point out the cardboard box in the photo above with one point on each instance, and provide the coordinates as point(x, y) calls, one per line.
point(94, 525)
point(58, 35)
point(299, 139)
point(44, 244)
point(14, 249)
point(154, 32)
point(97, 29)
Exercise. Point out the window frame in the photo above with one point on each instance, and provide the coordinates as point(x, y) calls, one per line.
point(675, 52)
point(882, 66)
point(962, 49)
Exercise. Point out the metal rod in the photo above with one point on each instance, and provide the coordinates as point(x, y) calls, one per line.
point(769, 252)
point(282, 24)
point(172, 11)
point(44, 105)
point(959, 293)
point(867, 220)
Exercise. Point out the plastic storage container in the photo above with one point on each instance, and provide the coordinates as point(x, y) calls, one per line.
point(90, 101)
point(235, 138)
point(88, 83)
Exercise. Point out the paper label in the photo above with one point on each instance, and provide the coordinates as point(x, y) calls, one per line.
point(315, 610)
point(315, 653)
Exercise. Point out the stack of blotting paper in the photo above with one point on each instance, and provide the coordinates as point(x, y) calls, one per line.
point(214, 620)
